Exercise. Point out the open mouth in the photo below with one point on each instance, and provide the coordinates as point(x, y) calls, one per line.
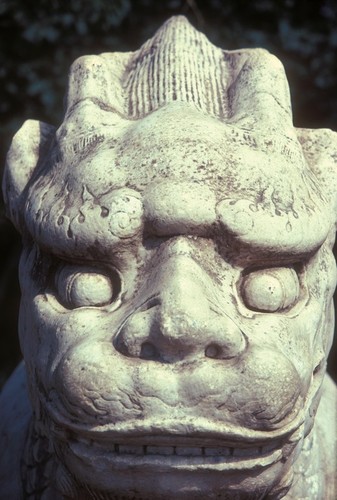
point(171, 455)
point(184, 446)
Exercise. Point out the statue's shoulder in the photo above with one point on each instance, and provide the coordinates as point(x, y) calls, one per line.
point(15, 415)
point(327, 411)
point(316, 467)
point(326, 421)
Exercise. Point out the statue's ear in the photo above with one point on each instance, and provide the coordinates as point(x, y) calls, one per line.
point(320, 150)
point(29, 145)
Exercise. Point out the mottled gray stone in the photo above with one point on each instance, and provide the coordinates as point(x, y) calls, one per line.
point(177, 279)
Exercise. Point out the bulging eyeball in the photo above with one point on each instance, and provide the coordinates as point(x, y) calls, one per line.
point(79, 286)
point(270, 290)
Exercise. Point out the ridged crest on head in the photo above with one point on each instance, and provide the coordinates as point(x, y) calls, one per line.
point(180, 64)
point(245, 90)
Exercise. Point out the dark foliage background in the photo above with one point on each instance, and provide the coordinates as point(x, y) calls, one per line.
point(40, 39)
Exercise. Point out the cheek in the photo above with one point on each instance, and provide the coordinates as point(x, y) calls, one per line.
point(75, 362)
point(49, 332)
point(94, 386)
point(295, 337)
point(276, 388)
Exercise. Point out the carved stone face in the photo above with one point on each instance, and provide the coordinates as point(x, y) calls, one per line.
point(176, 315)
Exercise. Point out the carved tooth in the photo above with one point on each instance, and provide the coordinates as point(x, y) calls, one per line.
point(131, 449)
point(160, 450)
point(188, 451)
point(221, 451)
point(245, 452)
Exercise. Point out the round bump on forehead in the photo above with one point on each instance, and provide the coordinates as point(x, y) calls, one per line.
point(238, 218)
point(293, 231)
point(125, 214)
point(79, 222)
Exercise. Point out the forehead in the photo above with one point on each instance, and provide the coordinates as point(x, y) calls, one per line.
point(180, 142)
point(180, 171)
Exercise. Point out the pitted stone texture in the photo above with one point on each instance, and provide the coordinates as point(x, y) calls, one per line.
point(177, 280)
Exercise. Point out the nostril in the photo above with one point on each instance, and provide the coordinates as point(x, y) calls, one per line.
point(213, 351)
point(225, 350)
point(148, 351)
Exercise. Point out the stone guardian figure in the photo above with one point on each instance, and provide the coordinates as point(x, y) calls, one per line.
point(177, 279)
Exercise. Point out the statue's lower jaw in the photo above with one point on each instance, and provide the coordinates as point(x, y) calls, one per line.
point(168, 470)
point(165, 458)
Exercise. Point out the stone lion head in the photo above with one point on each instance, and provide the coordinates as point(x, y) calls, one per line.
point(177, 272)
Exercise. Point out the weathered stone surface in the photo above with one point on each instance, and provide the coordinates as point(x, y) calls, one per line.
point(177, 280)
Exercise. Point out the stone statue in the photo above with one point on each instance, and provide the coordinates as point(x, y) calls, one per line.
point(177, 280)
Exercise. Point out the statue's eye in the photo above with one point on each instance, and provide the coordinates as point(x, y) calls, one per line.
point(270, 290)
point(85, 286)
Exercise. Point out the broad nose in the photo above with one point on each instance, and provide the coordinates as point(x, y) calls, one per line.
point(181, 320)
